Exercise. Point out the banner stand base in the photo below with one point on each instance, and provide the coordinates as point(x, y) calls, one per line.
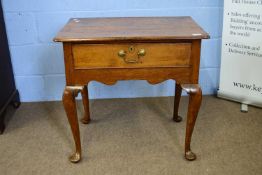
point(244, 108)
point(242, 99)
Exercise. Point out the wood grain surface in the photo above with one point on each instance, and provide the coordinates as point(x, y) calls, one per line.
point(131, 28)
point(88, 56)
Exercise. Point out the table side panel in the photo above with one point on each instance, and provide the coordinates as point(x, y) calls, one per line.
point(69, 63)
point(195, 60)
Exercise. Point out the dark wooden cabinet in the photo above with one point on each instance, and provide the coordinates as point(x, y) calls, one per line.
point(8, 91)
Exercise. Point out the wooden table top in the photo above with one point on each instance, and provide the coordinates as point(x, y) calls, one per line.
point(130, 28)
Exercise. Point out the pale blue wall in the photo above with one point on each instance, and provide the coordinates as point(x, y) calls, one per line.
point(38, 61)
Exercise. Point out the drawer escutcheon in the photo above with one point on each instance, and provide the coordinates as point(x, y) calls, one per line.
point(123, 55)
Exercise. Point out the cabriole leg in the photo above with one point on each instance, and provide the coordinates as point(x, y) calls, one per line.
point(195, 98)
point(70, 107)
point(178, 92)
point(85, 99)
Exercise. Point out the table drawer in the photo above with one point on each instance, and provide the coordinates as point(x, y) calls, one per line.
point(131, 55)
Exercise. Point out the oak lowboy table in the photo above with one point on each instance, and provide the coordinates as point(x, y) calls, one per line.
point(142, 48)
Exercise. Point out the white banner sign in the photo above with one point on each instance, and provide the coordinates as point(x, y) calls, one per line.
point(241, 62)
